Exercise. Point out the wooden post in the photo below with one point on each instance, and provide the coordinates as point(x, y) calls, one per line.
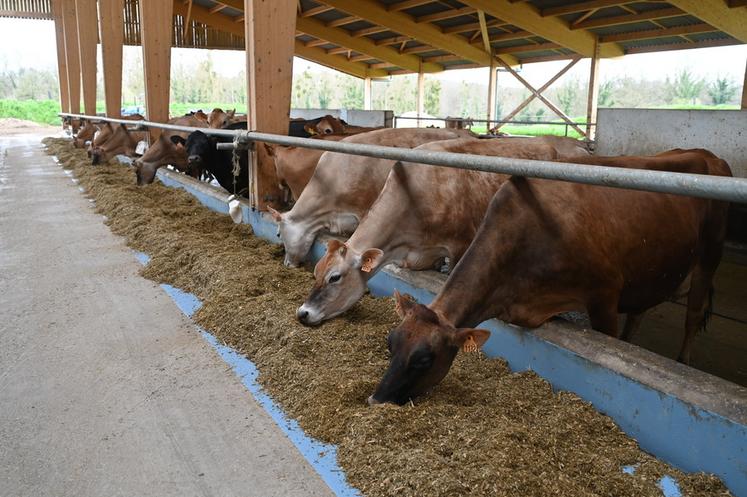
point(492, 86)
point(593, 97)
point(72, 55)
point(744, 90)
point(59, 31)
point(367, 94)
point(270, 27)
point(111, 20)
point(156, 26)
point(87, 23)
point(421, 95)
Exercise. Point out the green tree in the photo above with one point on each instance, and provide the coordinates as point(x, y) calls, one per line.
point(567, 96)
point(721, 90)
point(351, 90)
point(324, 93)
point(686, 86)
point(606, 99)
point(432, 102)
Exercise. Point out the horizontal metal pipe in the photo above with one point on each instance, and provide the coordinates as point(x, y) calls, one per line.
point(694, 185)
point(557, 123)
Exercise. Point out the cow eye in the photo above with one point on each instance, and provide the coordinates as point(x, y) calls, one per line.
point(334, 278)
point(328, 131)
point(422, 361)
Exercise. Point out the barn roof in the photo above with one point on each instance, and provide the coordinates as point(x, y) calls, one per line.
point(377, 38)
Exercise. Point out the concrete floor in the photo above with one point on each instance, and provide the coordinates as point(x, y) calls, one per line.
point(106, 389)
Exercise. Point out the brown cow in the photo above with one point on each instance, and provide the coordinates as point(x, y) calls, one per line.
point(342, 189)
point(329, 125)
point(422, 215)
point(105, 130)
point(164, 151)
point(121, 142)
point(547, 247)
point(294, 166)
point(219, 118)
point(85, 134)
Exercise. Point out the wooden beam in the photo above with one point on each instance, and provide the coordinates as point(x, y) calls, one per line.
point(59, 32)
point(87, 23)
point(716, 13)
point(420, 96)
point(404, 24)
point(337, 62)
point(446, 14)
point(592, 99)
point(484, 33)
point(111, 21)
point(156, 25)
point(650, 34)
point(342, 37)
point(270, 26)
point(581, 7)
point(407, 4)
point(538, 94)
point(527, 17)
point(683, 46)
point(367, 94)
point(472, 26)
point(629, 18)
point(492, 87)
point(315, 10)
point(72, 54)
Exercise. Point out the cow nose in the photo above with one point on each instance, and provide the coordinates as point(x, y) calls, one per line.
point(194, 159)
point(302, 315)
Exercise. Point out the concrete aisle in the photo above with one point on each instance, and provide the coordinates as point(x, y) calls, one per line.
point(106, 389)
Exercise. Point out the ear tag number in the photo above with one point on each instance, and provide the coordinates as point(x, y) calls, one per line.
point(470, 345)
point(366, 267)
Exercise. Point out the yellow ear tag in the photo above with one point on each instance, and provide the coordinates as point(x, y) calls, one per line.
point(366, 267)
point(469, 345)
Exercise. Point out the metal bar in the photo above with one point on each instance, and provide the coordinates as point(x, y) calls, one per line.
point(557, 123)
point(695, 185)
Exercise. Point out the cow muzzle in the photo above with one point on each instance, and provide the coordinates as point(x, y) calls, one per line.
point(308, 316)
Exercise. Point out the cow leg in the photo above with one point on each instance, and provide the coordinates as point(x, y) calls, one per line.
point(632, 325)
point(699, 303)
point(603, 315)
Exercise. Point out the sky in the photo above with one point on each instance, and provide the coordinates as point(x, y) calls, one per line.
point(705, 62)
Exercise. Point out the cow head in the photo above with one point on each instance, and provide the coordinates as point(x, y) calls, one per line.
point(422, 349)
point(198, 146)
point(119, 143)
point(341, 277)
point(296, 238)
point(219, 118)
point(328, 125)
point(85, 135)
point(165, 150)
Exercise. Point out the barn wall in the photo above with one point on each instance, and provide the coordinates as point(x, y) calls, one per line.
point(650, 131)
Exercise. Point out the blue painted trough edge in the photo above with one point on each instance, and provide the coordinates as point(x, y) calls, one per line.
point(690, 419)
point(321, 456)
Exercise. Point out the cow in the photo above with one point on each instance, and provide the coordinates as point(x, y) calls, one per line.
point(294, 166)
point(105, 130)
point(547, 247)
point(85, 134)
point(342, 189)
point(202, 155)
point(121, 142)
point(423, 215)
point(164, 151)
point(219, 118)
point(328, 125)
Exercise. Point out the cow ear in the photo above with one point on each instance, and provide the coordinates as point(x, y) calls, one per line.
point(470, 339)
point(231, 113)
point(403, 303)
point(277, 216)
point(270, 149)
point(334, 245)
point(178, 140)
point(310, 129)
point(370, 259)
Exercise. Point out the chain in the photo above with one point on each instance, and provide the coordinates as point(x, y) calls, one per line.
point(236, 158)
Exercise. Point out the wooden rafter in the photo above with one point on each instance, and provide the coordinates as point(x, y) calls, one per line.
point(731, 21)
point(658, 33)
point(554, 29)
point(581, 7)
point(629, 19)
point(338, 36)
point(404, 24)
